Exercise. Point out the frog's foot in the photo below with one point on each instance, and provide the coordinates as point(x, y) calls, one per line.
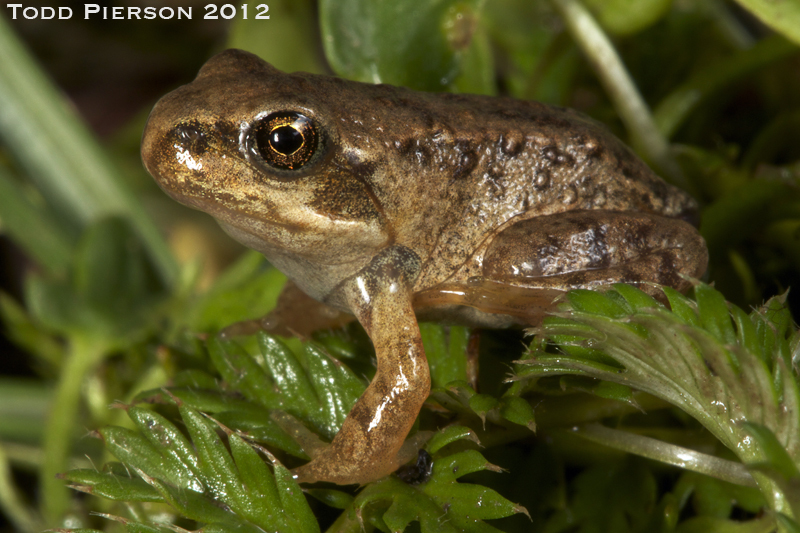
point(325, 464)
point(295, 315)
point(345, 464)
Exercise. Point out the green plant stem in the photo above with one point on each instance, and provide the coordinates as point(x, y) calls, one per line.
point(60, 155)
point(627, 100)
point(776, 498)
point(664, 452)
point(11, 502)
point(84, 353)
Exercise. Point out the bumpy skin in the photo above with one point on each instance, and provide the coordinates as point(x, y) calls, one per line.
point(455, 207)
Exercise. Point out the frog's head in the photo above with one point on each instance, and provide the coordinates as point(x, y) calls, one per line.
point(259, 150)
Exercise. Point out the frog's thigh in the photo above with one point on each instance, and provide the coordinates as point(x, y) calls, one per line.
point(586, 248)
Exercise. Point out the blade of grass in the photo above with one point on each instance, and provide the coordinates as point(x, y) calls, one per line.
point(11, 501)
point(31, 228)
point(59, 154)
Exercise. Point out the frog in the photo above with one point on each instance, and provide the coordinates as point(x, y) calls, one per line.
point(396, 206)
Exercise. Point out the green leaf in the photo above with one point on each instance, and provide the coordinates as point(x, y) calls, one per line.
point(242, 373)
point(422, 53)
point(214, 463)
point(445, 348)
point(263, 506)
point(775, 455)
point(714, 316)
point(136, 451)
point(449, 435)
point(335, 386)
point(294, 502)
point(246, 290)
point(466, 502)
point(112, 292)
point(292, 39)
point(258, 426)
point(176, 449)
point(441, 503)
point(623, 17)
point(783, 17)
point(112, 486)
point(701, 367)
point(518, 411)
point(292, 380)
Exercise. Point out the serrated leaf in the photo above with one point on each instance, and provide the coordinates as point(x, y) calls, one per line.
point(597, 303)
point(713, 312)
point(335, 386)
point(294, 502)
point(290, 377)
point(201, 508)
point(171, 443)
point(248, 289)
point(260, 427)
point(332, 498)
point(445, 348)
point(112, 486)
point(699, 365)
point(136, 451)
point(214, 462)
point(243, 373)
point(682, 307)
point(481, 404)
point(258, 483)
point(516, 410)
point(449, 435)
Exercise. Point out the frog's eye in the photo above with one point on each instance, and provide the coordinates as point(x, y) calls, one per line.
point(286, 140)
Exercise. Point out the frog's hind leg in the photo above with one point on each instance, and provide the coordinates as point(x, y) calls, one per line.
point(586, 248)
point(530, 264)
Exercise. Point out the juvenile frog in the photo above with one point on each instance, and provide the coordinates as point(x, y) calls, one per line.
point(394, 205)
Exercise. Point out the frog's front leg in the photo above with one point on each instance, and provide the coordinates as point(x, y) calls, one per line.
point(369, 444)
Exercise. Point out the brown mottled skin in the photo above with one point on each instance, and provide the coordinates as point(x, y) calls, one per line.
point(455, 207)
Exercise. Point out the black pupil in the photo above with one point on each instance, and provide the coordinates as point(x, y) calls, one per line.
point(285, 140)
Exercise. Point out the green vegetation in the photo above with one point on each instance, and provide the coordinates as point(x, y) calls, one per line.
point(617, 414)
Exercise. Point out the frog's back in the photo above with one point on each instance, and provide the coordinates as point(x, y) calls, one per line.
point(467, 165)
